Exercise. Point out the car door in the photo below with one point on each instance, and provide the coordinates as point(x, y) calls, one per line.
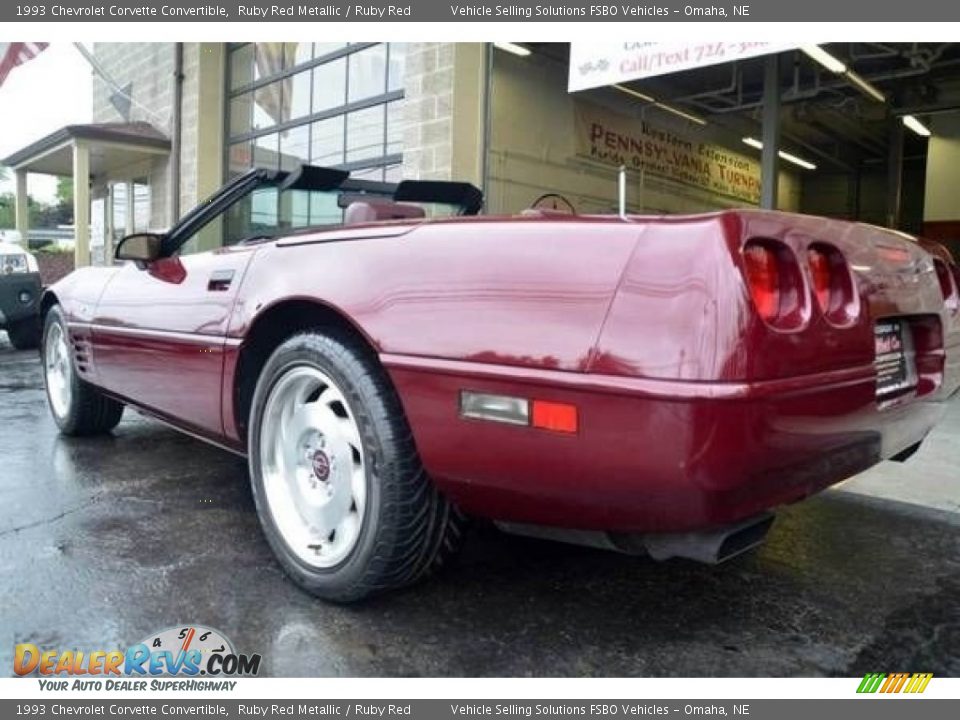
point(159, 334)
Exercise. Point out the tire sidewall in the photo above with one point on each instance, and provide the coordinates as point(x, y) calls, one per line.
point(68, 423)
point(342, 365)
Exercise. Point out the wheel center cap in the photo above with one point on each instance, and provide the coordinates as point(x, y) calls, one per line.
point(321, 465)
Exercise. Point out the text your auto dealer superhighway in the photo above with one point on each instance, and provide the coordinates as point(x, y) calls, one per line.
point(137, 11)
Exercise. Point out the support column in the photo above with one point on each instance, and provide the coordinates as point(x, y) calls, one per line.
point(108, 227)
point(81, 203)
point(895, 174)
point(130, 209)
point(769, 160)
point(202, 143)
point(444, 112)
point(941, 211)
point(22, 208)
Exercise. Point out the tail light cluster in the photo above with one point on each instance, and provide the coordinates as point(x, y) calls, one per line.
point(948, 284)
point(780, 289)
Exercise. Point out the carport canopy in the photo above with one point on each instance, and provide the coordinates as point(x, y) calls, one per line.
point(82, 152)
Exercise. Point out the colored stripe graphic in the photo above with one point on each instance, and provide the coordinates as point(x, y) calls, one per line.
point(871, 682)
point(894, 683)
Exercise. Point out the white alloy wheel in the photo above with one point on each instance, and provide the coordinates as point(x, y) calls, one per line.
point(312, 465)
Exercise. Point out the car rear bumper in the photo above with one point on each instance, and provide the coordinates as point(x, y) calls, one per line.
point(12, 309)
point(651, 456)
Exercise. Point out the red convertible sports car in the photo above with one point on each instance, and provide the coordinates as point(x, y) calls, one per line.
point(646, 384)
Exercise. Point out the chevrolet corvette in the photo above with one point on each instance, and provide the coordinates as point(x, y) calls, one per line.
point(390, 363)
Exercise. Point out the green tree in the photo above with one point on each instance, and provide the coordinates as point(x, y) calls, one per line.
point(7, 212)
point(65, 191)
point(7, 204)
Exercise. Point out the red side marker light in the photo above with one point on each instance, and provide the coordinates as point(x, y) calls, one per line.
point(559, 417)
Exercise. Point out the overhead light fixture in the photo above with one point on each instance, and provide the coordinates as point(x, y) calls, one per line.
point(789, 157)
point(662, 106)
point(824, 58)
point(865, 86)
point(838, 67)
point(918, 127)
point(513, 48)
point(806, 164)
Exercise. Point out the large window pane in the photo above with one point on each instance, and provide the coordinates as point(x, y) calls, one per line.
point(297, 89)
point(294, 147)
point(321, 49)
point(398, 61)
point(266, 152)
point(329, 85)
point(361, 137)
point(326, 147)
point(241, 66)
point(141, 206)
point(298, 53)
point(241, 114)
point(394, 128)
point(269, 58)
point(239, 157)
point(269, 105)
point(120, 226)
point(365, 134)
point(368, 73)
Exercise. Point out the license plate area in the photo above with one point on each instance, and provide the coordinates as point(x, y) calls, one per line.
point(896, 360)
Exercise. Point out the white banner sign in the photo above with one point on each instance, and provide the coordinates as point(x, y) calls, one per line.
point(595, 64)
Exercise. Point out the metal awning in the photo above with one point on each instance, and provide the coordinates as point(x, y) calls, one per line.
point(112, 145)
point(83, 152)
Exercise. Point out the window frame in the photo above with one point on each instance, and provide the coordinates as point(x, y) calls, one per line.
point(382, 161)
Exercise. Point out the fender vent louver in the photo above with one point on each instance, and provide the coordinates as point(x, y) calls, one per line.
point(81, 355)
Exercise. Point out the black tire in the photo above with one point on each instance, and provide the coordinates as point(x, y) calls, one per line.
point(408, 530)
point(24, 334)
point(88, 411)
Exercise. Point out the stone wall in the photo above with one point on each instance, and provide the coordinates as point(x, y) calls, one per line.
point(428, 111)
point(148, 69)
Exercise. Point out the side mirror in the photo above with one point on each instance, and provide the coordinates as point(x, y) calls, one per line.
point(142, 248)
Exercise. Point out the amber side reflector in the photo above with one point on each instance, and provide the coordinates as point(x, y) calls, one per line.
point(554, 416)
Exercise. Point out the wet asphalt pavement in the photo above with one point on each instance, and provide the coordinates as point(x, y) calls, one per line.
point(104, 541)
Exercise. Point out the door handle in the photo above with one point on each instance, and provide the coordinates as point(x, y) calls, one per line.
point(220, 280)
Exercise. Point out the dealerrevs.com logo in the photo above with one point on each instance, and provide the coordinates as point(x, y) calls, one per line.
point(186, 652)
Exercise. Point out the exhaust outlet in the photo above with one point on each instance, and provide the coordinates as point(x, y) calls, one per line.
point(710, 546)
point(706, 546)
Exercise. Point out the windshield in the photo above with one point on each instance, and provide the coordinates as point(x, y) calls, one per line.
point(263, 204)
point(267, 212)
